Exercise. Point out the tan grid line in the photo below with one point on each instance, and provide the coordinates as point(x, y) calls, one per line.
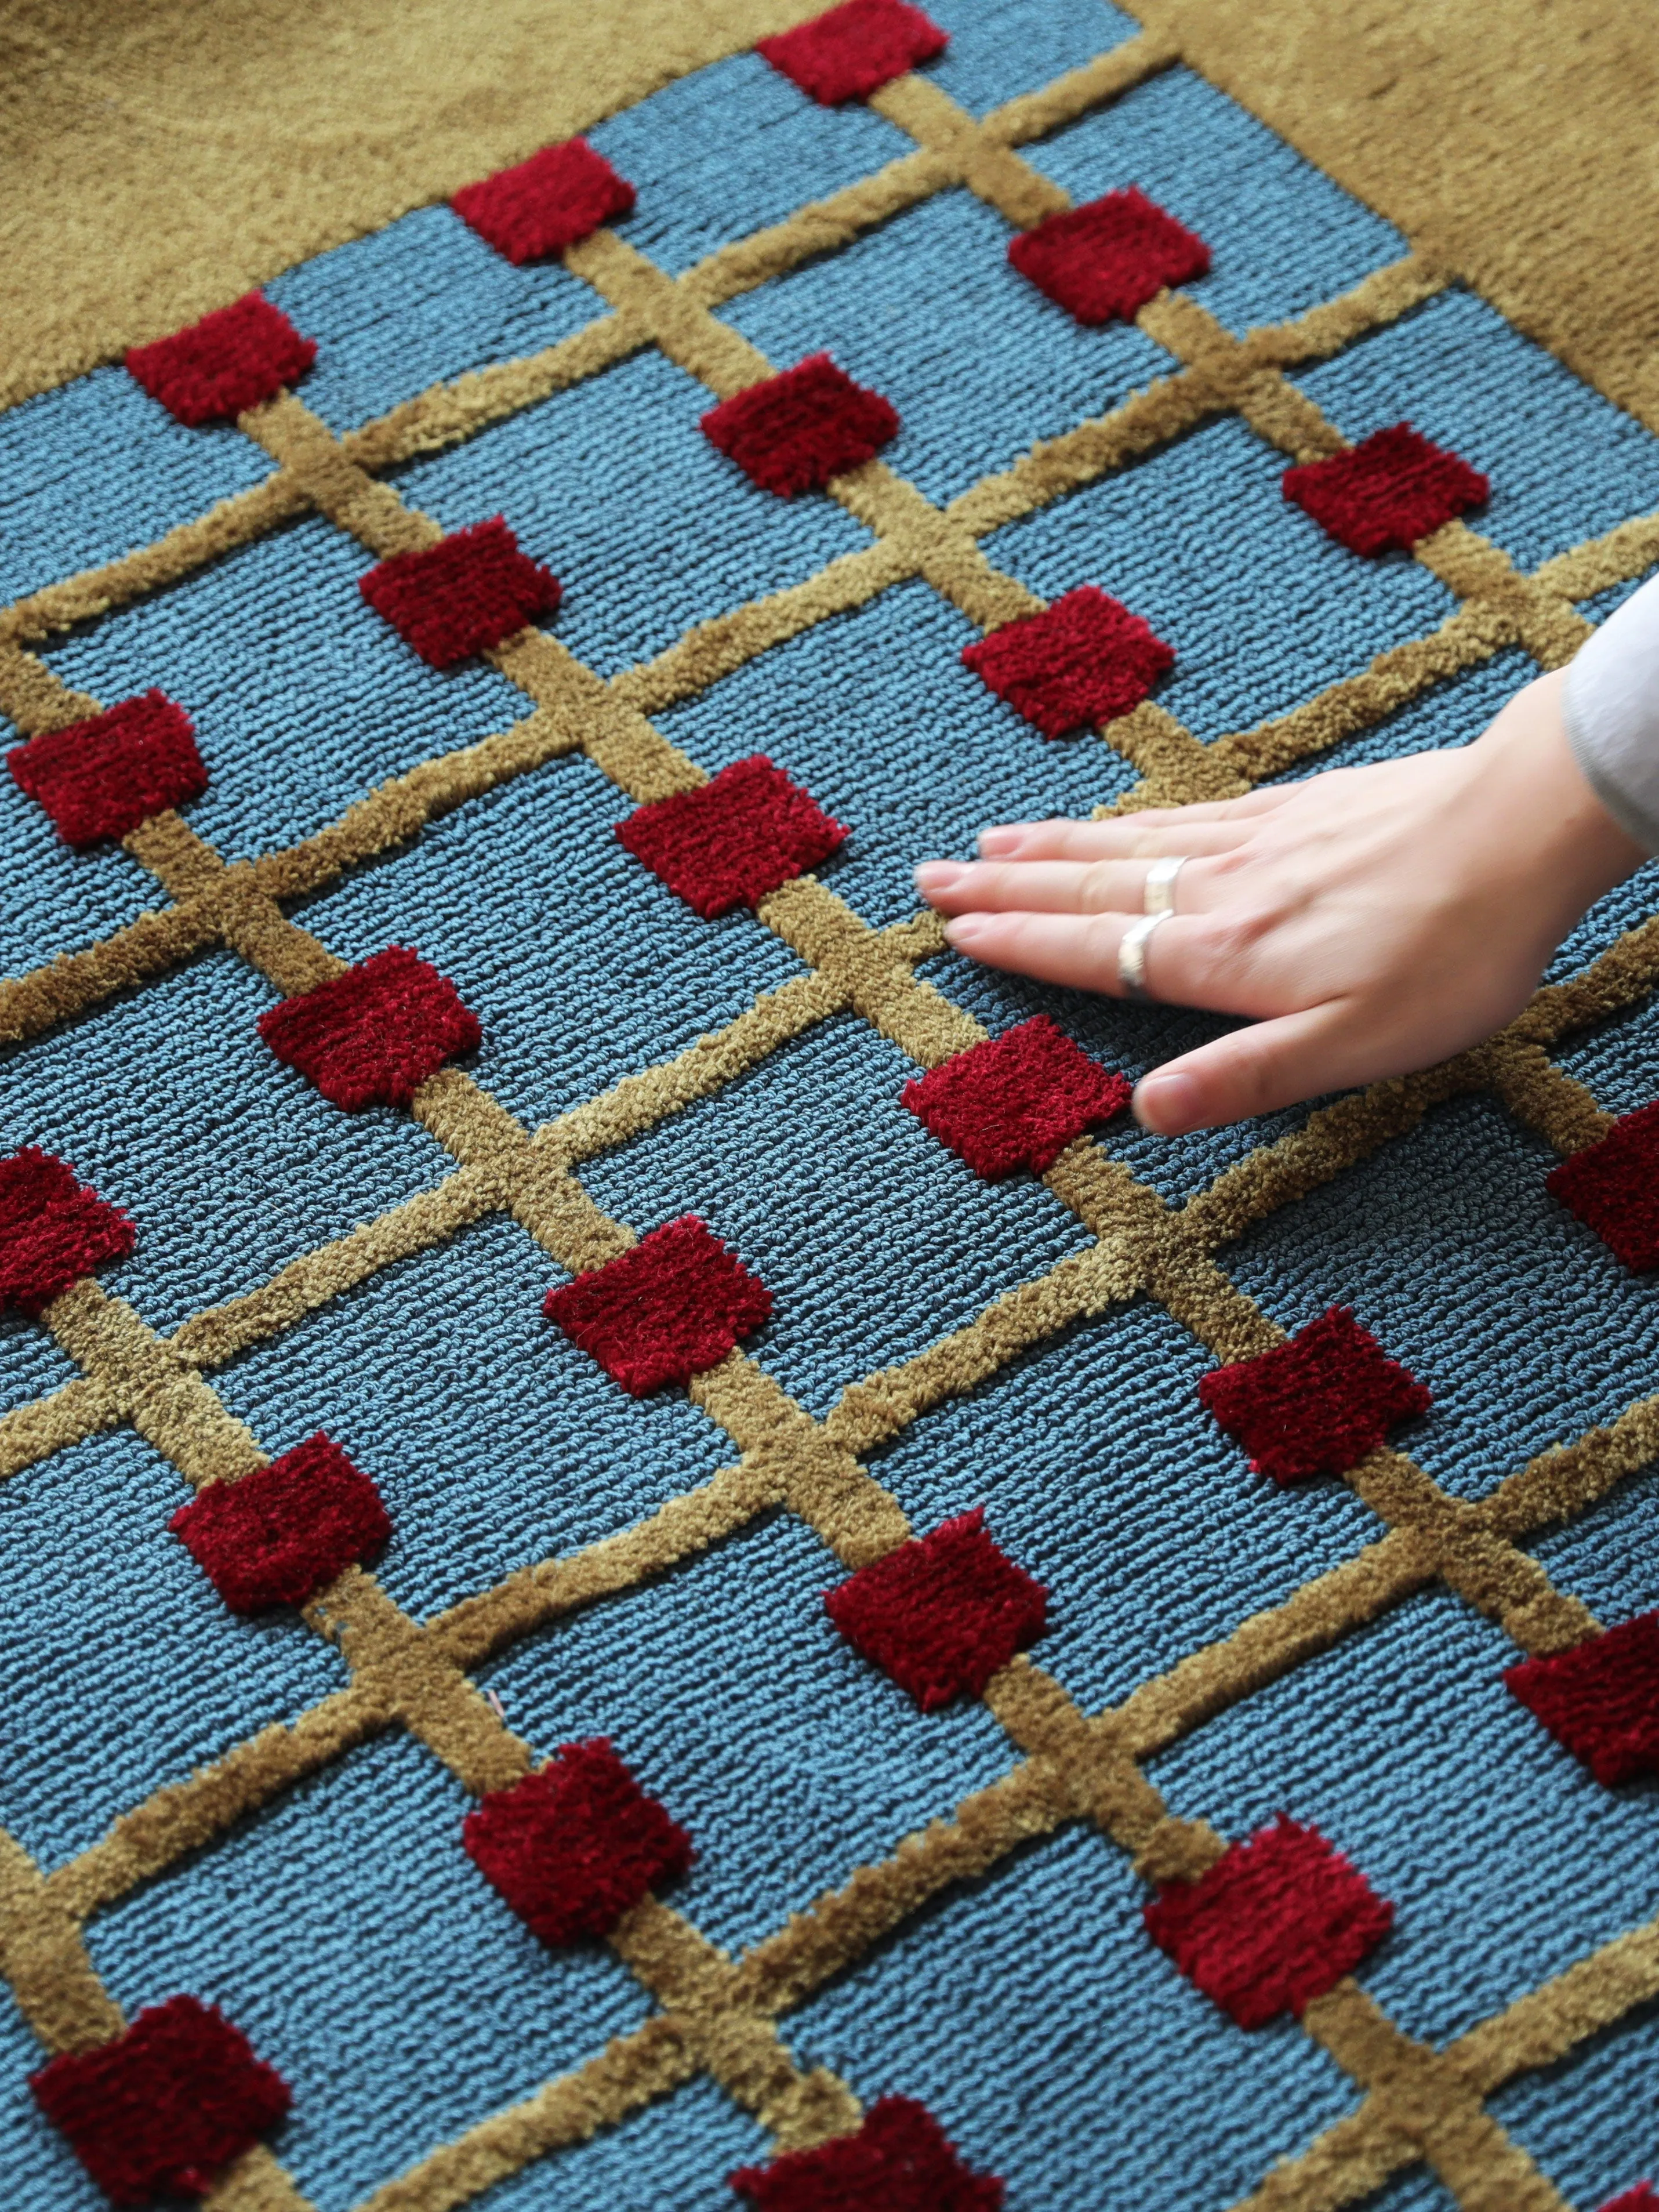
point(826, 934)
point(400, 1673)
point(171, 1822)
point(446, 414)
point(371, 517)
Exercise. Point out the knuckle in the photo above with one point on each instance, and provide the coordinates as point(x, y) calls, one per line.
point(1221, 867)
point(1232, 939)
point(1095, 890)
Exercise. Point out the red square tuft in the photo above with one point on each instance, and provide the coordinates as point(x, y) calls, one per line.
point(1276, 1921)
point(733, 840)
point(576, 1844)
point(462, 596)
point(543, 204)
point(1600, 1699)
point(1103, 261)
point(1386, 493)
point(233, 358)
point(800, 427)
point(942, 1614)
point(371, 1036)
point(1612, 1186)
point(1639, 2199)
point(104, 776)
point(1017, 1100)
point(52, 1230)
point(674, 1305)
point(1086, 659)
point(279, 1534)
point(899, 2161)
point(165, 2107)
point(852, 51)
point(1317, 1405)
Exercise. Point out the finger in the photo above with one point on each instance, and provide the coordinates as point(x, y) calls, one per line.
point(1184, 964)
point(1213, 827)
point(1256, 1070)
point(1051, 886)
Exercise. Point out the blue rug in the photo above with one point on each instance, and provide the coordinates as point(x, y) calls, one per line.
point(910, 1961)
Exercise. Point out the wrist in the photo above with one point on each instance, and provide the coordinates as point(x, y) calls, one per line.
point(1544, 805)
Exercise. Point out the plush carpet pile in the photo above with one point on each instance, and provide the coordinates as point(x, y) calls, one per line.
point(653, 1559)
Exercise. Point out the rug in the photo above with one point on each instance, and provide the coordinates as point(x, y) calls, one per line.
point(655, 1558)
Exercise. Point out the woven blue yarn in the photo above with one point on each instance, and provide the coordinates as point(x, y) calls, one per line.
point(341, 1924)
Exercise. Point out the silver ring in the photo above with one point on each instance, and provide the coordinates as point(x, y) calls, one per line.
point(1159, 895)
point(1132, 953)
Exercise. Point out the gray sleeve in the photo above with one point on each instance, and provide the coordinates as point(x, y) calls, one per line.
point(1611, 703)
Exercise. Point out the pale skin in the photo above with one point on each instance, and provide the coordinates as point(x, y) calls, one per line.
point(1372, 920)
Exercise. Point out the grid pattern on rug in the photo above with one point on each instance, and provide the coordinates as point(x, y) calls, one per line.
point(1410, 2106)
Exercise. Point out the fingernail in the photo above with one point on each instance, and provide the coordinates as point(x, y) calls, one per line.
point(936, 876)
point(1169, 1105)
point(996, 842)
point(965, 930)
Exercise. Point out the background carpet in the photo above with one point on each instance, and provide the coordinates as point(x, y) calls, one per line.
point(266, 1813)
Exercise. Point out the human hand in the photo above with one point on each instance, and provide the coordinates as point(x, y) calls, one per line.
point(1372, 920)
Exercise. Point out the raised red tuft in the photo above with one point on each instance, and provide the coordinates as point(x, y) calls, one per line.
point(1387, 492)
point(233, 358)
point(942, 1614)
point(471, 591)
point(164, 2109)
point(542, 205)
point(674, 1305)
point(1317, 1405)
point(734, 839)
point(52, 1230)
point(1639, 2199)
point(899, 2161)
point(852, 51)
point(574, 1845)
point(1017, 1100)
point(371, 1036)
point(279, 1534)
point(800, 427)
point(1276, 1921)
point(104, 776)
point(1103, 261)
point(1600, 1699)
point(1086, 659)
point(1612, 1186)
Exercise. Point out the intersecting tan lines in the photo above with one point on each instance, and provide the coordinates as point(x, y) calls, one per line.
point(446, 414)
point(1423, 2096)
point(1486, 1569)
point(692, 338)
point(44, 1959)
point(1246, 376)
point(1171, 405)
point(1350, 2158)
point(1556, 1487)
point(1545, 620)
point(1175, 763)
point(928, 1027)
point(400, 1672)
point(827, 1487)
point(1112, 1204)
point(1077, 1768)
point(37, 701)
point(1391, 2130)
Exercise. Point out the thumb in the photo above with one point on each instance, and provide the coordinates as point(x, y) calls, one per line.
point(1254, 1070)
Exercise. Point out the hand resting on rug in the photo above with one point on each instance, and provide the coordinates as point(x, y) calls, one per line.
point(1373, 920)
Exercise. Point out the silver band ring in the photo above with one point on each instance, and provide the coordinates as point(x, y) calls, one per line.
point(1159, 895)
point(1132, 953)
